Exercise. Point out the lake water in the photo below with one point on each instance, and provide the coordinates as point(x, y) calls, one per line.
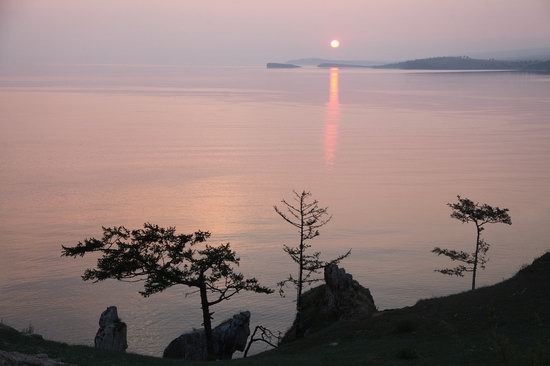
point(216, 148)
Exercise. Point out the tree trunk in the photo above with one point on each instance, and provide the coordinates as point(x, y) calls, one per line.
point(206, 320)
point(299, 332)
point(475, 259)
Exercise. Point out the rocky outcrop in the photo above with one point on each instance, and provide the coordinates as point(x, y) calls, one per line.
point(229, 336)
point(111, 334)
point(344, 296)
point(21, 359)
point(341, 297)
point(188, 346)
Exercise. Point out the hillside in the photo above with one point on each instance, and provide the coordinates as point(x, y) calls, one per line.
point(456, 63)
point(504, 324)
point(542, 67)
point(537, 54)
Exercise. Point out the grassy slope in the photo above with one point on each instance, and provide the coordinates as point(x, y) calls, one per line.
point(504, 324)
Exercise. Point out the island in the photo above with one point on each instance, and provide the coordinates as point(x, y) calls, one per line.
point(542, 67)
point(456, 63)
point(536, 64)
point(275, 65)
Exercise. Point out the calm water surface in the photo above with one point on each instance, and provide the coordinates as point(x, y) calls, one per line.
point(216, 148)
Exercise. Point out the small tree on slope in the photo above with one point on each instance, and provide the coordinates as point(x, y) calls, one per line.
point(307, 217)
point(466, 211)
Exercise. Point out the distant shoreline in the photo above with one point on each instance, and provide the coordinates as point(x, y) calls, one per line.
point(434, 64)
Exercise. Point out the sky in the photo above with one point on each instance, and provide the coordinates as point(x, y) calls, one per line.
point(233, 32)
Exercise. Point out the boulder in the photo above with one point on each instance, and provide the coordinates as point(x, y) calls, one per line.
point(111, 334)
point(230, 336)
point(188, 346)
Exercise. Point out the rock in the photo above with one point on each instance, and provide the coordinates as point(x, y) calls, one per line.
point(111, 334)
point(341, 297)
point(188, 346)
point(230, 336)
point(21, 359)
point(345, 297)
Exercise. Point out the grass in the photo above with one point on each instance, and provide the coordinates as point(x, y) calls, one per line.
point(505, 324)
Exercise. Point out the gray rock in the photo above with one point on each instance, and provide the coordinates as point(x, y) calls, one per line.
point(111, 334)
point(230, 336)
point(188, 346)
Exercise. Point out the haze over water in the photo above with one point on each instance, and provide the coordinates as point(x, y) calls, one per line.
point(215, 148)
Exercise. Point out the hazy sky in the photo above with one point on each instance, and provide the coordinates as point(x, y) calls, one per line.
point(253, 31)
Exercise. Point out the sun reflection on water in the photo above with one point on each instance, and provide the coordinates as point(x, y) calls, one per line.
point(332, 119)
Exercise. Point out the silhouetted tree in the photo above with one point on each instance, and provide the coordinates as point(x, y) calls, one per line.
point(264, 335)
point(161, 258)
point(307, 217)
point(467, 211)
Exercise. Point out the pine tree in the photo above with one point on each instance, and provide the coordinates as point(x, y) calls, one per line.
point(307, 217)
point(162, 259)
point(466, 211)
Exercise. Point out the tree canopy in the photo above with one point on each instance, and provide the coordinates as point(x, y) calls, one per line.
point(466, 211)
point(161, 258)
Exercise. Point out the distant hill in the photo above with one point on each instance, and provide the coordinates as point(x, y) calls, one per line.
point(457, 63)
point(535, 54)
point(542, 67)
point(276, 65)
point(318, 61)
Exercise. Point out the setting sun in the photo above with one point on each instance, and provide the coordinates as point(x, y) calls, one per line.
point(334, 43)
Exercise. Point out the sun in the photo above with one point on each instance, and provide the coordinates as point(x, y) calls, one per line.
point(334, 43)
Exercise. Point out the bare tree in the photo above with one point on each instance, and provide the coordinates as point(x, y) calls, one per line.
point(161, 258)
point(264, 335)
point(307, 217)
point(466, 211)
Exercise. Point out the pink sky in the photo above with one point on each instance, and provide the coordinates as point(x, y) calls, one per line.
point(253, 31)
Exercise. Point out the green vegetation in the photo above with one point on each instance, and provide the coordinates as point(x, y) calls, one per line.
point(466, 211)
point(505, 324)
point(12, 340)
point(162, 259)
